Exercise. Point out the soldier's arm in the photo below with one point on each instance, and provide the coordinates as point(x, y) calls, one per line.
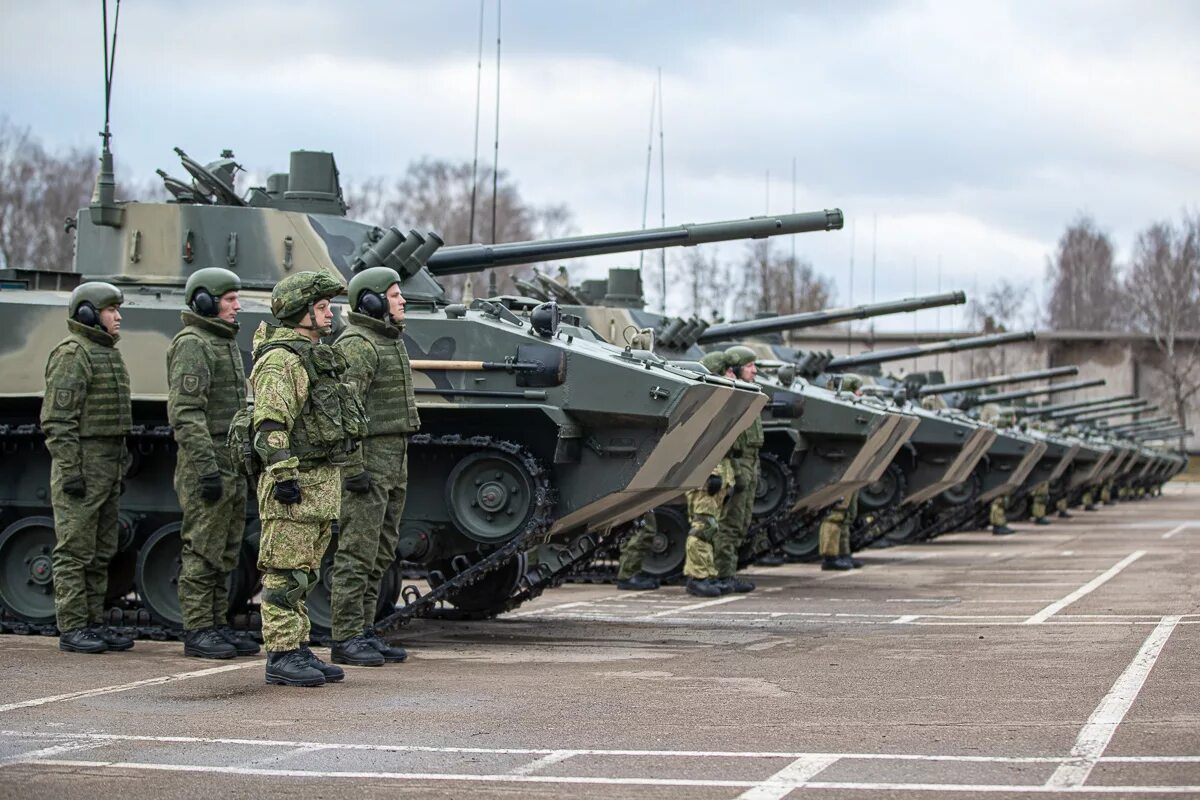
point(280, 389)
point(68, 374)
point(189, 378)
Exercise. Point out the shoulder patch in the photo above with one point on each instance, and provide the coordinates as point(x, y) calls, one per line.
point(64, 398)
point(190, 383)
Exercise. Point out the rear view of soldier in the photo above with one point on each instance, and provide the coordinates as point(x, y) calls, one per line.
point(206, 388)
point(306, 425)
point(373, 496)
point(86, 414)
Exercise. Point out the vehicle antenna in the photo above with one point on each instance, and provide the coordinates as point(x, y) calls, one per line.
point(475, 160)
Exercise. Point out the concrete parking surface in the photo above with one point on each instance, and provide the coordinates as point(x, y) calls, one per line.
point(1061, 660)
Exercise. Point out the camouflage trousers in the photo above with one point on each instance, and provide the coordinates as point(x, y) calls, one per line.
point(1061, 504)
point(636, 547)
point(835, 528)
point(367, 534)
point(1039, 501)
point(289, 556)
point(86, 532)
point(1087, 498)
point(212, 539)
point(998, 515)
point(699, 561)
point(736, 515)
point(1106, 492)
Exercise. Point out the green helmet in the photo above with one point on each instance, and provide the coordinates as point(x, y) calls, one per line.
point(786, 375)
point(740, 355)
point(205, 287)
point(715, 362)
point(292, 296)
point(367, 290)
point(851, 382)
point(89, 298)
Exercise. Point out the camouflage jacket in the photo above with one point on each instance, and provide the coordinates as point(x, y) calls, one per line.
point(378, 368)
point(700, 502)
point(87, 393)
point(206, 386)
point(749, 441)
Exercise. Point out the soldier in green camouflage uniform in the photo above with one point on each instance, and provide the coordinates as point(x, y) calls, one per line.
point(206, 387)
point(738, 512)
point(374, 490)
point(305, 425)
point(835, 535)
point(86, 414)
point(1039, 500)
point(634, 549)
point(998, 511)
point(704, 508)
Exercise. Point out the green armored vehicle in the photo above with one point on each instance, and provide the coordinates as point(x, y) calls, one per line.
point(535, 443)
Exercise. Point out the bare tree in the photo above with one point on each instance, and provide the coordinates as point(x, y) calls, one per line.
point(39, 190)
point(705, 279)
point(1163, 289)
point(1085, 290)
point(1000, 308)
point(436, 195)
point(779, 283)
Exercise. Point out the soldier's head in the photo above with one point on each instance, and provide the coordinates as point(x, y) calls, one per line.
point(97, 305)
point(849, 382)
point(376, 293)
point(716, 363)
point(741, 359)
point(301, 302)
point(213, 292)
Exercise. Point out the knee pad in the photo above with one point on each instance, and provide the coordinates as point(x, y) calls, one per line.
point(296, 584)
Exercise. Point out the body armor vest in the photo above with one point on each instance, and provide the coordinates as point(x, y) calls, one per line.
point(107, 409)
point(391, 405)
point(227, 376)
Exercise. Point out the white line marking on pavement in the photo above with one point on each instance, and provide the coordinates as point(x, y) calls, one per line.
point(693, 606)
point(55, 750)
point(125, 687)
point(793, 776)
point(1102, 724)
point(906, 619)
point(534, 611)
point(1086, 589)
point(557, 757)
point(1176, 530)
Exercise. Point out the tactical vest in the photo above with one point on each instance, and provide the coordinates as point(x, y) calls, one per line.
point(332, 421)
point(227, 376)
point(107, 408)
point(391, 405)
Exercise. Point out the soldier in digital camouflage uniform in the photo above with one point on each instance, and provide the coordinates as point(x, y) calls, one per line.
point(634, 549)
point(704, 508)
point(206, 388)
point(374, 490)
point(737, 514)
point(835, 535)
point(998, 510)
point(1039, 501)
point(86, 414)
point(305, 422)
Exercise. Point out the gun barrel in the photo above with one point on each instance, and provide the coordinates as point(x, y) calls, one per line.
point(1046, 410)
point(475, 257)
point(1133, 408)
point(843, 363)
point(811, 319)
point(1112, 406)
point(998, 380)
point(1008, 397)
point(1148, 423)
point(1169, 433)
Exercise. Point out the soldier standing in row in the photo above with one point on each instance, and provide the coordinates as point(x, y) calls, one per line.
point(738, 512)
point(704, 507)
point(86, 415)
point(306, 424)
point(1039, 501)
point(206, 387)
point(373, 496)
point(630, 574)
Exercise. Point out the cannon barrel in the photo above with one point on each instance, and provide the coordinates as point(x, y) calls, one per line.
point(1150, 422)
point(811, 319)
point(998, 380)
point(843, 363)
point(1140, 407)
point(475, 257)
point(1168, 433)
point(1046, 410)
point(1009, 397)
point(1112, 406)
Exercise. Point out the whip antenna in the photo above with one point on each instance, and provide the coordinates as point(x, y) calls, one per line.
point(475, 161)
point(103, 208)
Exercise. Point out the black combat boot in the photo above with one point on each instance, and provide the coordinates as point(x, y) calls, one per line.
point(639, 582)
point(724, 585)
point(116, 642)
point(836, 563)
point(1091, 507)
point(243, 645)
point(207, 643)
point(1064, 514)
point(291, 668)
point(82, 640)
point(1001, 530)
point(770, 560)
point(356, 652)
point(392, 654)
point(856, 563)
point(1041, 520)
point(741, 585)
point(706, 587)
point(332, 674)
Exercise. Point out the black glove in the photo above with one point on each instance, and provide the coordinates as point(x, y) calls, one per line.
point(739, 486)
point(287, 492)
point(713, 484)
point(210, 487)
point(359, 484)
point(74, 486)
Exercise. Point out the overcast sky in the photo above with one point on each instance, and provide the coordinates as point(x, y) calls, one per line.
point(966, 132)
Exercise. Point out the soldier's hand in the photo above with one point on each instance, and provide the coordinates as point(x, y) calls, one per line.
point(210, 487)
point(713, 484)
point(358, 484)
point(74, 486)
point(739, 486)
point(287, 492)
